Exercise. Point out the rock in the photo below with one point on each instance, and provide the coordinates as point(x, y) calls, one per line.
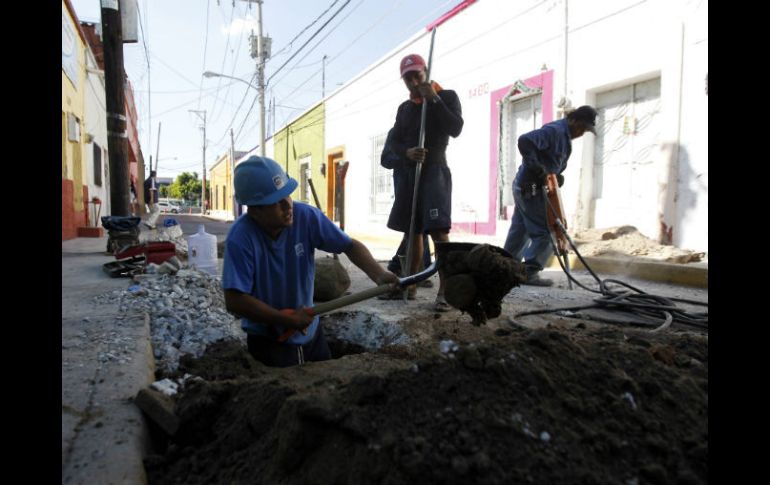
point(331, 279)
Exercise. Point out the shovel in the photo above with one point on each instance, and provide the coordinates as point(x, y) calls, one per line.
point(442, 248)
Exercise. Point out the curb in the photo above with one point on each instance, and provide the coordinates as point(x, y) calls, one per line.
point(695, 275)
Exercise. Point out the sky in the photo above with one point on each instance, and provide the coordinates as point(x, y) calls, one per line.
point(181, 39)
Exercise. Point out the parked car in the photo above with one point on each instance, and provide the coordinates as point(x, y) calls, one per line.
point(166, 207)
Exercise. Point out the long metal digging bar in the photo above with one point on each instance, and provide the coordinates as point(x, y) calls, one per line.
point(346, 300)
point(442, 249)
point(418, 169)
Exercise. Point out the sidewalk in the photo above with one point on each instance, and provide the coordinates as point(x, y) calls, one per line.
point(383, 246)
point(106, 359)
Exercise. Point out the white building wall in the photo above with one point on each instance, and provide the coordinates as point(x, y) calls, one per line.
point(96, 125)
point(493, 43)
point(691, 222)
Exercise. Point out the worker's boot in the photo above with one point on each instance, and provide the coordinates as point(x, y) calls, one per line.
point(534, 279)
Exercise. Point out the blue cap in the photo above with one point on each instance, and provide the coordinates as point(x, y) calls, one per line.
point(261, 181)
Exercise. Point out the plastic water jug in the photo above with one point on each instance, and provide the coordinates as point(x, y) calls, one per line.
point(202, 251)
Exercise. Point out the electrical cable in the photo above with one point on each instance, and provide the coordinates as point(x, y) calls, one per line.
point(291, 42)
point(307, 42)
point(635, 302)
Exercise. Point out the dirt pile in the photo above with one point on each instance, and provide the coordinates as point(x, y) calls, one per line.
point(521, 406)
point(477, 280)
point(627, 242)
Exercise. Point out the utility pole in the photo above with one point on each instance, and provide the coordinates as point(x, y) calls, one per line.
point(323, 76)
point(117, 139)
point(260, 50)
point(232, 175)
point(203, 187)
point(157, 149)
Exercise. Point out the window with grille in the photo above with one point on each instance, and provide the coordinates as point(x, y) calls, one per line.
point(382, 180)
point(97, 165)
point(304, 178)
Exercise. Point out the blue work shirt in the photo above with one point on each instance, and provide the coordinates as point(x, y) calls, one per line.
point(543, 151)
point(280, 273)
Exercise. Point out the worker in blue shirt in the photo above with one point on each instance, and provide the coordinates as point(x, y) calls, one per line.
point(269, 265)
point(543, 151)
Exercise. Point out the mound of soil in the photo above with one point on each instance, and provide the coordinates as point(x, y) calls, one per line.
point(548, 405)
point(627, 242)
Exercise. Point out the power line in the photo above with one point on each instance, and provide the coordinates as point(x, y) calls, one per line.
point(409, 27)
point(184, 91)
point(174, 70)
point(205, 48)
point(245, 95)
point(319, 42)
point(243, 123)
point(224, 61)
point(149, 88)
point(287, 46)
point(307, 42)
point(184, 104)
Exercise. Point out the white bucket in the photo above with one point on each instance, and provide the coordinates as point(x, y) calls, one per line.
point(202, 251)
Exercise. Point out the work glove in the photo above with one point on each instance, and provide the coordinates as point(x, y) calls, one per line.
point(560, 179)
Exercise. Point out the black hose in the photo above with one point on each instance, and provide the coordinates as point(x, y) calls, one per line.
point(635, 301)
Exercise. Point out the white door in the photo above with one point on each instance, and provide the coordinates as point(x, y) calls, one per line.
point(626, 159)
point(517, 117)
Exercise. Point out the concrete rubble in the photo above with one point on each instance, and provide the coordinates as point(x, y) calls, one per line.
point(187, 314)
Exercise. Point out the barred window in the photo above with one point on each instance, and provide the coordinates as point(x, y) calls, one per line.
point(382, 180)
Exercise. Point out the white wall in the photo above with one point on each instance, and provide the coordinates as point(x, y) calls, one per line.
point(96, 125)
point(493, 43)
point(691, 223)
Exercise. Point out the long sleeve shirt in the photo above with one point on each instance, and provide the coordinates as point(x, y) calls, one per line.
point(443, 119)
point(543, 151)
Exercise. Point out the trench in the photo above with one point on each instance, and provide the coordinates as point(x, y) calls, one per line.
point(357, 332)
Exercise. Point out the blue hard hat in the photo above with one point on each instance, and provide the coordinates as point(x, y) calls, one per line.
point(261, 181)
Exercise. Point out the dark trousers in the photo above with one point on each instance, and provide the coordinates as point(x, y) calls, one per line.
point(394, 266)
point(277, 354)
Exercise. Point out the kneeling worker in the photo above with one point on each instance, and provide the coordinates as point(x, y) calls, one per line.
point(269, 265)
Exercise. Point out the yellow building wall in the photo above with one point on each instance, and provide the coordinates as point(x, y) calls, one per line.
point(304, 137)
point(72, 102)
point(220, 180)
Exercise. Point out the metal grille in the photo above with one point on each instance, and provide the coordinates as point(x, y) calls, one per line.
point(382, 180)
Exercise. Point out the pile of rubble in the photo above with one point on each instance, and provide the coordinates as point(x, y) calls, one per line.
point(186, 309)
point(171, 233)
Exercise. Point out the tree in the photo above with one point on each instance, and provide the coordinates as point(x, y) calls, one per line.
point(187, 186)
point(163, 191)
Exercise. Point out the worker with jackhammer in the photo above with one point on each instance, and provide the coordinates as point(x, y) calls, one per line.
point(543, 151)
point(434, 199)
point(269, 265)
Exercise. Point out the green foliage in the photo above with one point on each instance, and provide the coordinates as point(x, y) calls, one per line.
point(187, 186)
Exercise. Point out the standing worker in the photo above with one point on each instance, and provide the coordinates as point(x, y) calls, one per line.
point(269, 265)
point(434, 199)
point(543, 151)
point(391, 161)
point(151, 199)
